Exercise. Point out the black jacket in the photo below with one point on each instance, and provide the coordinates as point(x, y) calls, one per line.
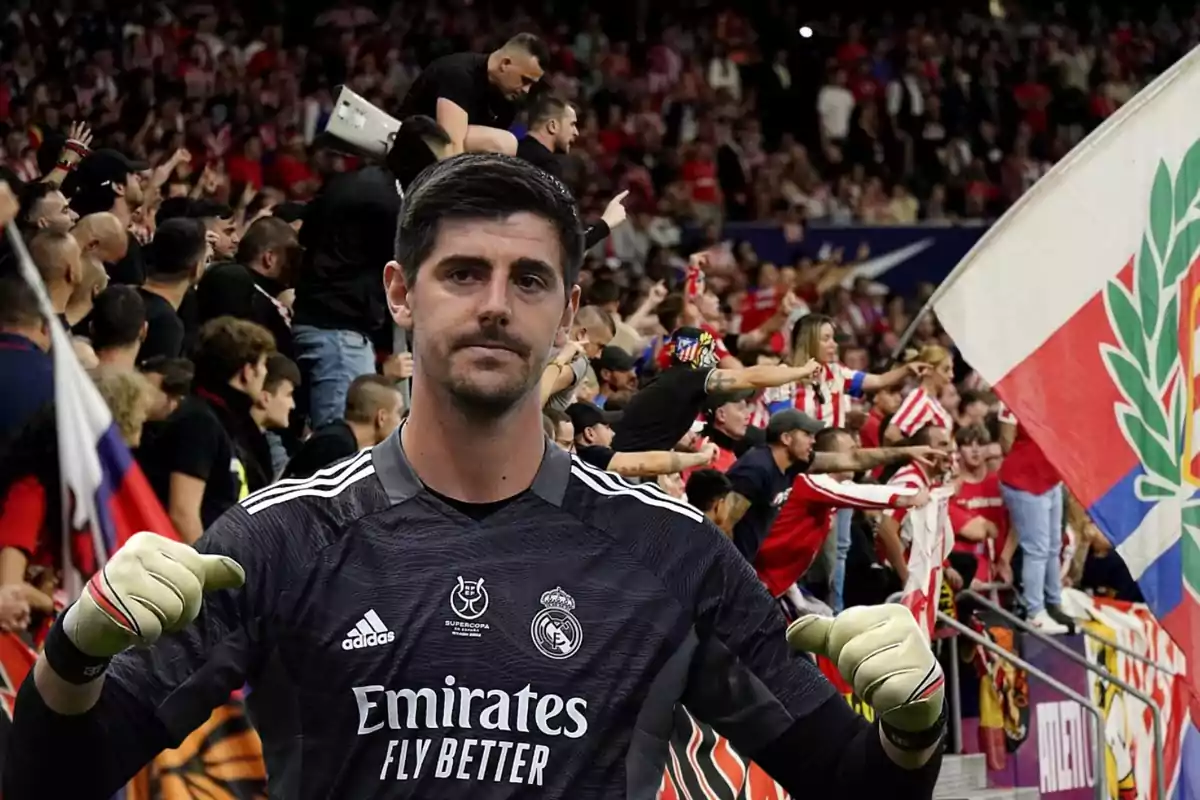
point(348, 237)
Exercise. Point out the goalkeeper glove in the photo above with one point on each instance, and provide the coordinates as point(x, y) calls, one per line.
point(883, 655)
point(152, 586)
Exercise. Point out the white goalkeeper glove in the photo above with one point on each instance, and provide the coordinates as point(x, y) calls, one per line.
point(883, 655)
point(152, 586)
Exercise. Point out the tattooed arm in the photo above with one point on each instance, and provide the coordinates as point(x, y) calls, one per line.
point(863, 460)
point(659, 462)
point(738, 505)
point(762, 377)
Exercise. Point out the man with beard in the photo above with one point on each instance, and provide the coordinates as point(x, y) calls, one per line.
point(553, 128)
point(220, 223)
point(435, 617)
point(44, 207)
point(249, 287)
point(475, 97)
point(108, 181)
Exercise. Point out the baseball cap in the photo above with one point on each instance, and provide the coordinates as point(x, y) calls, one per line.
point(91, 185)
point(585, 415)
point(789, 420)
point(614, 359)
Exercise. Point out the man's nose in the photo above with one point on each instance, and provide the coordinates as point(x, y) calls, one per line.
point(495, 305)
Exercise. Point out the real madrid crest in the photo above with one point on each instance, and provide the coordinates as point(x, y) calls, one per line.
point(555, 631)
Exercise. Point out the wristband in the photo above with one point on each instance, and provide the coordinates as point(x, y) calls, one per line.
point(66, 166)
point(68, 661)
point(76, 147)
point(918, 741)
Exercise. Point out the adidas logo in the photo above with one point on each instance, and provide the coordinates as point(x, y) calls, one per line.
point(369, 632)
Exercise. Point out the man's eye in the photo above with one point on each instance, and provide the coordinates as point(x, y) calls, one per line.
point(530, 281)
point(461, 275)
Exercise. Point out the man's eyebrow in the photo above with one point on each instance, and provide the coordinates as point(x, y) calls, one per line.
point(527, 264)
point(535, 265)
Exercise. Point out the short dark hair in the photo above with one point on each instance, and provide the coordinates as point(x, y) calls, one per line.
point(484, 186)
point(972, 396)
point(177, 373)
point(707, 486)
point(226, 345)
point(280, 368)
point(264, 235)
point(18, 304)
point(532, 45)
point(548, 425)
point(827, 438)
point(546, 106)
point(118, 315)
point(365, 396)
point(30, 195)
point(178, 245)
point(555, 415)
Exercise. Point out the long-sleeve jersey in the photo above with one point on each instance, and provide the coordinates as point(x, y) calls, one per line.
point(396, 647)
point(804, 521)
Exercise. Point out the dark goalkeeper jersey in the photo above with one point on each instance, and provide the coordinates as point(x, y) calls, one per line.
point(396, 648)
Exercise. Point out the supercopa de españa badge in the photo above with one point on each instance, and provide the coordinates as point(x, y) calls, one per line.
point(555, 630)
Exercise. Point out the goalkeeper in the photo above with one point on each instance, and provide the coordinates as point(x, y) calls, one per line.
point(462, 611)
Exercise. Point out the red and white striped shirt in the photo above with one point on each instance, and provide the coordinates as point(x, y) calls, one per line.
point(827, 397)
point(803, 522)
point(918, 410)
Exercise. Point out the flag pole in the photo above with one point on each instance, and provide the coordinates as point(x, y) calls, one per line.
point(72, 583)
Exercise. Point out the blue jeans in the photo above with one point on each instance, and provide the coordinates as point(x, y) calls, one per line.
point(1038, 519)
point(841, 525)
point(329, 361)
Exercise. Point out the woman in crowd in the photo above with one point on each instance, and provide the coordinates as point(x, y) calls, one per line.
point(828, 398)
point(921, 406)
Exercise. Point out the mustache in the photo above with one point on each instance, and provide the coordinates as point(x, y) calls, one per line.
point(494, 337)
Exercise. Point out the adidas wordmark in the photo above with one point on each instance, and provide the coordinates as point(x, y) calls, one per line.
point(368, 632)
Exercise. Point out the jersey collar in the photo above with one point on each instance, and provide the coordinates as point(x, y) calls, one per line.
point(401, 483)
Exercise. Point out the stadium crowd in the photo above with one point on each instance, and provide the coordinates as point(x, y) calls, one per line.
point(219, 264)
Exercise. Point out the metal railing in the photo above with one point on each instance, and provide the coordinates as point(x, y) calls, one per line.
point(1095, 669)
point(1101, 786)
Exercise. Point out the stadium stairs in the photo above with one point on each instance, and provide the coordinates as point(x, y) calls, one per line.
point(965, 778)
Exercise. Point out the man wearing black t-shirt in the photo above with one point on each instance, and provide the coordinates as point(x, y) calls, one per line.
point(664, 409)
point(178, 255)
point(268, 258)
point(593, 440)
point(210, 453)
point(475, 97)
point(374, 408)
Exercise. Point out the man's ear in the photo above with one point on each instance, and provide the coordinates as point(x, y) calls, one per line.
point(569, 311)
point(396, 290)
point(145, 330)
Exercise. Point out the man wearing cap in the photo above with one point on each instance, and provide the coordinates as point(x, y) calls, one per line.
point(593, 437)
point(664, 410)
point(108, 181)
point(615, 373)
point(762, 478)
